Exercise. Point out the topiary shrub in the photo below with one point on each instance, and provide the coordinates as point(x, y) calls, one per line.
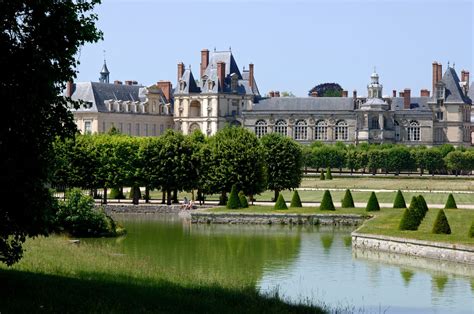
point(328, 174)
point(132, 190)
point(450, 203)
point(295, 200)
point(243, 200)
point(116, 193)
point(415, 207)
point(409, 220)
point(471, 231)
point(234, 201)
point(321, 176)
point(441, 224)
point(326, 203)
point(373, 203)
point(347, 201)
point(399, 201)
point(280, 203)
point(423, 206)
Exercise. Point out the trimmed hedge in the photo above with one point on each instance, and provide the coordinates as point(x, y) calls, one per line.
point(233, 202)
point(409, 220)
point(441, 224)
point(423, 206)
point(280, 203)
point(326, 203)
point(347, 201)
point(399, 201)
point(328, 174)
point(243, 200)
point(322, 176)
point(295, 200)
point(416, 208)
point(373, 203)
point(450, 203)
point(115, 193)
point(471, 231)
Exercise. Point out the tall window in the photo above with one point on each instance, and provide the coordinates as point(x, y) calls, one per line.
point(137, 129)
point(397, 130)
point(342, 133)
point(260, 128)
point(301, 130)
point(281, 127)
point(374, 123)
point(321, 131)
point(414, 131)
point(87, 127)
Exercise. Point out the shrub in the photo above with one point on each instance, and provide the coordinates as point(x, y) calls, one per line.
point(347, 201)
point(78, 217)
point(441, 224)
point(328, 174)
point(326, 203)
point(450, 203)
point(409, 220)
point(399, 201)
point(423, 205)
point(234, 201)
point(471, 231)
point(243, 200)
point(115, 193)
point(280, 203)
point(321, 176)
point(373, 203)
point(415, 208)
point(295, 200)
point(132, 191)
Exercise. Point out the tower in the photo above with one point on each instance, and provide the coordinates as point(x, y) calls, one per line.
point(104, 74)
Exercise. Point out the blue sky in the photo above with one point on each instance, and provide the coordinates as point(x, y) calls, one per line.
point(294, 45)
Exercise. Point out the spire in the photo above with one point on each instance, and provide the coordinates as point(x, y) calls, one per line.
point(104, 73)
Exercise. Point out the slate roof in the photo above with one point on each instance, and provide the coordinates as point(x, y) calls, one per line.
point(470, 94)
point(453, 91)
point(304, 104)
point(416, 103)
point(104, 69)
point(96, 93)
point(190, 83)
point(224, 56)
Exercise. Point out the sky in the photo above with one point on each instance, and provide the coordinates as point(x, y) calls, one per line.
point(294, 45)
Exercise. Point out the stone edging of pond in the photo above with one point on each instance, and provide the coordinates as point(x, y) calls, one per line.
point(280, 219)
point(420, 248)
point(142, 208)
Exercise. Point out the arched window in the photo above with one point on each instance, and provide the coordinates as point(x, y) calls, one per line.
point(397, 130)
point(194, 109)
point(281, 127)
point(260, 128)
point(301, 130)
point(414, 131)
point(341, 133)
point(321, 131)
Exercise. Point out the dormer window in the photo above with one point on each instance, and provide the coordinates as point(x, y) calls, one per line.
point(210, 85)
point(234, 82)
point(204, 80)
point(440, 90)
point(182, 85)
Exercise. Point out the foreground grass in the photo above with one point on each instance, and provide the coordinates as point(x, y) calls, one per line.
point(58, 277)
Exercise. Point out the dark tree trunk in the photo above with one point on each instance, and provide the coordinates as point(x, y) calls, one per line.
point(223, 198)
point(275, 197)
point(175, 196)
point(168, 197)
point(105, 196)
point(136, 195)
point(147, 194)
point(163, 197)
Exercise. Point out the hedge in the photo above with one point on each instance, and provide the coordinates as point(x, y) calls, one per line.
point(399, 201)
point(233, 202)
point(280, 203)
point(326, 203)
point(450, 203)
point(347, 201)
point(373, 203)
point(295, 200)
point(441, 224)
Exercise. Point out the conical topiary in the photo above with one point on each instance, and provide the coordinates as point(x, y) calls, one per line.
point(115, 193)
point(233, 202)
point(243, 200)
point(450, 203)
point(328, 174)
point(423, 205)
point(417, 211)
point(280, 203)
point(322, 176)
point(441, 224)
point(326, 203)
point(347, 201)
point(373, 203)
point(471, 231)
point(295, 200)
point(399, 201)
point(409, 220)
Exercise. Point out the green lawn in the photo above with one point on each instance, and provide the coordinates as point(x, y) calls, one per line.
point(291, 210)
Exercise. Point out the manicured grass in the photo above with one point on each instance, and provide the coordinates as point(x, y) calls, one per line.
point(58, 277)
point(290, 210)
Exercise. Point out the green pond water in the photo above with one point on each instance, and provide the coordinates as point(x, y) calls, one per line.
point(302, 263)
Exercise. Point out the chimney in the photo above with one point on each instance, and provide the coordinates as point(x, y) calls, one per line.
point(344, 93)
point(69, 88)
point(425, 93)
point(440, 74)
point(204, 61)
point(165, 87)
point(271, 93)
point(134, 83)
point(251, 83)
point(394, 93)
point(221, 74)
point(354, 94)
point(277, 94)
point(400, 94)
point(314, 94)
point(128, 82)
point(435, 75)
point(465, 76)
point(406, 98)
point(116, 82)
point(180, 70)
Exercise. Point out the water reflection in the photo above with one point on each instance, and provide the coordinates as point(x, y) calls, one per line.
point(406, 275)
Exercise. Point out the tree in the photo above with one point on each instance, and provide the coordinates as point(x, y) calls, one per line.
point(450, 202)
point(40, 41)
point(234, 201)
point(295, 200)
point(441, 224)
point(375, 160)
point(280, 203)
point(347, 201)
point(456, 161)
point(399, 158)
point(243, 200)
point(283, 161)
point(326, 203)
point(287, 94)
point(321, 175)
point(328, 174)
point(373, 203)
point(327, 90)
point(399, 201)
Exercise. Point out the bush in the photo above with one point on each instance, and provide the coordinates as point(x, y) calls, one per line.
point(423, 206)
point(373, 203)
point(321, 176)
point(450, 203)
point(347, 201)
point(399, 201)
point(280, 203)
point(441, 224)
point(326, 203)
point(328, 174)
point(471, 231)
point(243, 200)
point(409, 220)
point(132, 191)
point(234, 201)
point(295, 200)
point(115, 193)
point(78, 217)
point(415, 207)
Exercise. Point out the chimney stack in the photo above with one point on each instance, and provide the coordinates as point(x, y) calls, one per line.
point(277, 94)
point(440, 73)
point(165, 87)
point(354, 94)
point(425, 93)
point(118, 82)
point(465, 76)
point(204, 61)
point(251, 83)
point(394, 93)
point(69, 88)
point(435, 75)
point(400, 94)
point(271, 93)
point(180, 70)
point(406, 98)
point(128, 82)
point(221, 74)
point(344, 93)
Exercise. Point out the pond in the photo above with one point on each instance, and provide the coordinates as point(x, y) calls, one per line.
point(302, 263)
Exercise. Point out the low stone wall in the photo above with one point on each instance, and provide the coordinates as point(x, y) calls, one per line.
point(281, 219)
point(411, 247)
point(142, 208)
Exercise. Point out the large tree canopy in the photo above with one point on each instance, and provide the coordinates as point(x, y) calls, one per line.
point(39, 42)
point(327, 90)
